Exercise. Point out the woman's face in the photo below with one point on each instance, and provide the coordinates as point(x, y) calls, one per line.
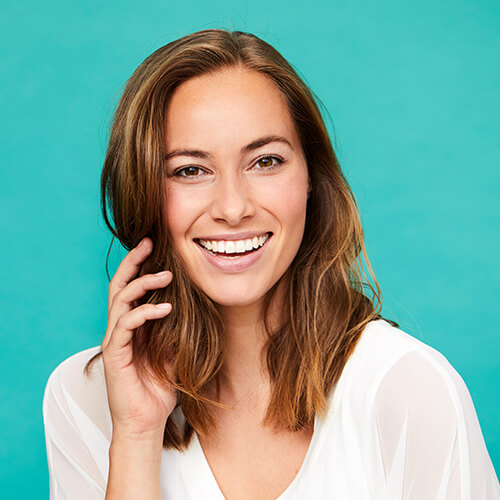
point(236, 182)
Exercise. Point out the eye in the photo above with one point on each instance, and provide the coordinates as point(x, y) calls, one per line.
point(190, 171)
point(268, 162)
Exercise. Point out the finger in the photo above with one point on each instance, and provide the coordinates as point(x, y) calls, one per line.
point(129, 267)
point(123, 300)
point(128, 323)
point(138, 287)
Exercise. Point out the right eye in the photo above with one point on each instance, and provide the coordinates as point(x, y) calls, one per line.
point(190, 171)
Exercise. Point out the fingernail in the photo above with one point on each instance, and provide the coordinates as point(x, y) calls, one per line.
point(165, 305)
point(161, 273)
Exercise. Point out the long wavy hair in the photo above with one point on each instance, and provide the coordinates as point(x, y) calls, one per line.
point(328, 298)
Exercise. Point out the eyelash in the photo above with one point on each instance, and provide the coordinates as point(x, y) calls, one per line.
point(279, 161)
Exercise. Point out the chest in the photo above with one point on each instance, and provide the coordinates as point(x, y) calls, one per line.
point(255, 463)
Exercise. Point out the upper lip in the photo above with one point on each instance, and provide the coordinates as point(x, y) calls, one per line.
point(233, 236)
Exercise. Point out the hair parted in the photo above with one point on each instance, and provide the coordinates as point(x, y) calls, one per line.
point(325, 305)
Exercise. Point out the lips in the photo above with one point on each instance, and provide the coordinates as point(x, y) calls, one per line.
point(233, 261)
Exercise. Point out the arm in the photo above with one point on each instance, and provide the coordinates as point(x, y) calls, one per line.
point(137, 459)
point(429, 434)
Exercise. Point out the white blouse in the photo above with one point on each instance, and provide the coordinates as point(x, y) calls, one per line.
point(401, 425)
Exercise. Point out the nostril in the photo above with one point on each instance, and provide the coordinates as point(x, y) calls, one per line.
point(232, 205)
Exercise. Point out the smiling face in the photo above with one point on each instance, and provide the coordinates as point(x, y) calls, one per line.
point(236, 184)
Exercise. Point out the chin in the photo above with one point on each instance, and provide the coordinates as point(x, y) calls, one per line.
point(235, 296)
point(235, 301)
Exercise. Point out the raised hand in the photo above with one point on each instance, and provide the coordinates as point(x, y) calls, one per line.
point(139, 406)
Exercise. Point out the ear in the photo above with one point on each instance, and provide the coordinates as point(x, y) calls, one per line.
point(309, 187)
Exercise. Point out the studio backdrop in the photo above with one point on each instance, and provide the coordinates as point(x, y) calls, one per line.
point(411, 95)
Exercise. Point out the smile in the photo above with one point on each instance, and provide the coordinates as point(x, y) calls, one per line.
point(233, 248)
point(232, 256)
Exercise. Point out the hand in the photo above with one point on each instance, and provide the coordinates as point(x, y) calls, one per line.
point(139, 406)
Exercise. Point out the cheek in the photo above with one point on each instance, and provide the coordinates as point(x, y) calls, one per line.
point(290, 199)
point(180, 212)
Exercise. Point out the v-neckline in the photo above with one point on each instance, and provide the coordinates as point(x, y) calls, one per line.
point(200, 458)
point(205, 485)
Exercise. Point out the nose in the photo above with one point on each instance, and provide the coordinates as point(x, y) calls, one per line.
point(232, 202)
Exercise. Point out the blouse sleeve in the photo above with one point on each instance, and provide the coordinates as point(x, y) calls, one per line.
point(429, 435)
point(77, 430)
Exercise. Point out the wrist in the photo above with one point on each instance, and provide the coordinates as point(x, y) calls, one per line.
point(150, 440)
point(131, 454)
point(134, 466)
point(134, 436)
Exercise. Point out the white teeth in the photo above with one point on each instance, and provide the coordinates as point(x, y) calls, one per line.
point(234, 246)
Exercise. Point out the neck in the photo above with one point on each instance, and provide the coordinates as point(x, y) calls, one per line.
point(243, 375)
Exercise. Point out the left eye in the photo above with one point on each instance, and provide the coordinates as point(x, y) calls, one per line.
point(190, 171)
point(266, 162)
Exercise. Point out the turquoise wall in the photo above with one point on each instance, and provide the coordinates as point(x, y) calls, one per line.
point(413, 91)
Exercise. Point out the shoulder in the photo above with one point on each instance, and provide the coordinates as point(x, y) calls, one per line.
point(381, 346)
point(383, 341)
point(414, 417)
point(421, 419)
point(78, 427)
point(388, 361)
point(76, 397)
point(72, 364)
point(69, 378)
point(410, 399)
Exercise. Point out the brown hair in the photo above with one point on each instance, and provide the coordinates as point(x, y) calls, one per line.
point(325, 307)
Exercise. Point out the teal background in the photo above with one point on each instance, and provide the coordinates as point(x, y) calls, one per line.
point(413, 93)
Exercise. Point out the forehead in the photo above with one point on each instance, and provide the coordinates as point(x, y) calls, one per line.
point(226, 109)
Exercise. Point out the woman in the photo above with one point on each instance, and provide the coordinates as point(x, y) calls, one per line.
point(244, 358)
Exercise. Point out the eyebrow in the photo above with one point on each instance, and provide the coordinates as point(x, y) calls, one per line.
point(258, 143)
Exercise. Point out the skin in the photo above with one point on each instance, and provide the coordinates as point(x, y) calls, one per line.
point(230, 192)
point(139, 408)
point(235, 192)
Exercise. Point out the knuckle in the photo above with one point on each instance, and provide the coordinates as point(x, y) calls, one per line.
point(146, 311)
point(121, 322)
point(145, 283)
point(116, 284)
point(146, 308)
point(117, 297)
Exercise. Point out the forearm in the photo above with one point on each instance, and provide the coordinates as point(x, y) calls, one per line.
point(134, 468)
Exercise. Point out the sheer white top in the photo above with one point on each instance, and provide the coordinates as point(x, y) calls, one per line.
point(401, 425)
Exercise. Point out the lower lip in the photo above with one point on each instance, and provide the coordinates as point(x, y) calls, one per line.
point(235, 264)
